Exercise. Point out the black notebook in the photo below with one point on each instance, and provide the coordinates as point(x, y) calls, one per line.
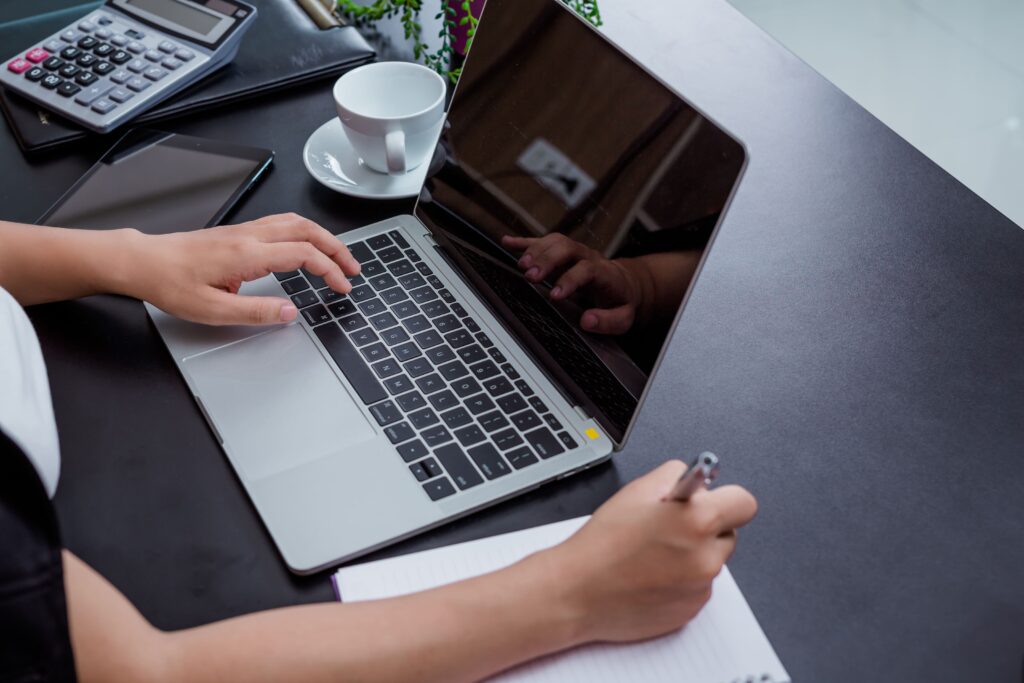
point(282, 49)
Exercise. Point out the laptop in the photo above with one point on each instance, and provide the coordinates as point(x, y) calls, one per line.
point(446, 381)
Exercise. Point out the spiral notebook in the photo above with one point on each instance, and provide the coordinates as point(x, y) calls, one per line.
point(723, 644)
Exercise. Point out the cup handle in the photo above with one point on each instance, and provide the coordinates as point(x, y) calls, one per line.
point(394, 145)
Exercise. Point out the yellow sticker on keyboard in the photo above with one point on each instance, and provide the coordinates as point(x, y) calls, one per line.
point(592, 434)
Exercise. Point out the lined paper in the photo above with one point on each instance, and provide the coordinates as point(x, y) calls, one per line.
point(723, 644)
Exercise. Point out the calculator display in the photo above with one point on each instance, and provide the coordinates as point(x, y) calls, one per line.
point(179, 13)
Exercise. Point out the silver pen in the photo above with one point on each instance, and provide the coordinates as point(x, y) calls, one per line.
point(701, 473)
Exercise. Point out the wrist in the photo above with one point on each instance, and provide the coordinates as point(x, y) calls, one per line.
point(557, 597)
point(121, 265)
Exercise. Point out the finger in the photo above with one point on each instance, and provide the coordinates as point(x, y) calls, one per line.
point(233, 309)
point(517, 243)
point(616, 320)
point(580, 275)
point(661, 479)
point(281, 257)
point(552, 256)
point(732, 506)
point(291, 227)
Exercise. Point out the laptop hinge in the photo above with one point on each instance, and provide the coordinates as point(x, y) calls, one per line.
point(581, 412)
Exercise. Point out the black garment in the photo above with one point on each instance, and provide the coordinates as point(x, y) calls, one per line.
point(35, 646)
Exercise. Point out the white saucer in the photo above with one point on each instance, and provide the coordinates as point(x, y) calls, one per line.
point(330, 159)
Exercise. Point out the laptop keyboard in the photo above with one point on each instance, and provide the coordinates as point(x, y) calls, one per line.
point(457, 411)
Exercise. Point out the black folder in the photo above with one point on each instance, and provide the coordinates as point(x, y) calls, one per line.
point(283, 48)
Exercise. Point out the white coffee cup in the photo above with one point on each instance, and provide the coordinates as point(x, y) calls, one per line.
point(390, 112)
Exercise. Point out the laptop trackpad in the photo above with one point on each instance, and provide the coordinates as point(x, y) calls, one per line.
point(276, 402)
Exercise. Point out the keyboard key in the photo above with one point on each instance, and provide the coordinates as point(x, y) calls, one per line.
point(92, 93)
point(435, 308)
point(453, 371)
point(394, 295)
point(406, 351)
point(538, 405)
point(411, 401)
point(484, 370)
point(86, 26)
point(121, 56)
point(418, 367)
point(399, 384)
point(459, 310)
point(302, 299)
point(413, 451)
point(352, 323)
point(507, 439)
point(103, 49)
point(389, 254)
point(467, 386)
point(552, 421)
point(293, 286)
point(498, 356)
point(361, 293)
point(423, 418)
point(524, 388)
point(447, 296)
point(360, 252)
point(399, 432)
point(443, 400)
point(439, 488)
point(328, 295)
point(405, 309)
point(526, 420)
point(152, 73)
point(472, 354)
point(497, 386)
point(399, 239)
point(512, 403)
point(378, 242)
point(136, 66)
point(135, 47)
point(413, 256)
point(51, 81)
point(51, 64)
point(70, 36)
point(470, 435)
point(67, 89)
point(167, 47)
point(68, 70)
point(53, 46)
point(120, 76)
point(430, 383)
point(432, 468)
point(70, 52)
point(456, 418)
point(493, 421)
point(423, 294)
point(544, 442)
point(286, 276)
point(439, 354)
point(154, 56)
point(458, 338)
point(458, 466)
point(363, 336)
point(88, 42)
point(470, 324)
point(567, 441)
point(484, 340)
point(412, 281)
point(102, 68)
point(480, 403)
point(137, 84)
point(521, 457)
point(172, 64)
point(386, 368)
point(35, 74)
point(399, 268)
point(385, 413)
point(419, 472)
point(396, 335)
point(87, 78)
point(434, 282)
point(427, 339)
point(489, 461)
point(351, 364)
point(382, 282)
point(424, 270)
point(372, 268)
point(447, 323)
point(185, 55)
point(510, 371)
point(372, 306)
point(137, 35)
point(340, 309)
point(435, 436)
point(375, 352)
point(417, 324)
point(382, 321)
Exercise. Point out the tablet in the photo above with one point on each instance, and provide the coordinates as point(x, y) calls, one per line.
point(159, 183)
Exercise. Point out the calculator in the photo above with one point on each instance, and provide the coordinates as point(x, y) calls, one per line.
point(127, 56)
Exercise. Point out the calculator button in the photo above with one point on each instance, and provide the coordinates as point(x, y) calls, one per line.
point(120, 57)
point(88, 43)
point(136, 66)
point(86, 26)
point(70, 36)
point(137, 84)
point(91, 94)
point(184, 55)
point(104, 33)
point(135, 47)
point(70, 52)
point(103, 68)
point(51, 81)
point(53, 46)
point(68, 70)
point(171, 64)
point(120, 76)
point(67, 89)
point(154, 56)
point(36, 55)
point(154, 74)
point(104, 20)
point(168, 47)
point(103, 107)
point(20, 66)
point(87, 60)
point(120, 95)
point(51, 64)
point(103, 49)
point(35, 74)
point(86, 78)
point(137, 35)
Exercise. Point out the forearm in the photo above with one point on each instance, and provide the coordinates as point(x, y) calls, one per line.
point(40, 264)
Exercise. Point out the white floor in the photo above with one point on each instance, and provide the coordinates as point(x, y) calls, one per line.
point(947, 75)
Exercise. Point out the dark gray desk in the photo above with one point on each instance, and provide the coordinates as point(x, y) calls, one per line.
point(853, 350)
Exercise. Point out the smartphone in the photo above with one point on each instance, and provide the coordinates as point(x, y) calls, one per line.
point(159, 183)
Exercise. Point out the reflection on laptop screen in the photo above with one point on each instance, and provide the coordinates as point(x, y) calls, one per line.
point(556, 136)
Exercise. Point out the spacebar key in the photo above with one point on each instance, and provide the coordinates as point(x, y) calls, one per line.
point(351, 363)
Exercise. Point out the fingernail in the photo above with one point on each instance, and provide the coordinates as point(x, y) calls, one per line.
point(526, 261)
point(589, 321)
point(288, 313)
point(556, 292)
point(532, 273)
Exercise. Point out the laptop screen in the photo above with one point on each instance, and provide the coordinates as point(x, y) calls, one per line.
point(578, 195)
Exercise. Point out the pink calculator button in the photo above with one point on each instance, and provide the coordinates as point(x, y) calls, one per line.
point(36, 55)
point(19, 65)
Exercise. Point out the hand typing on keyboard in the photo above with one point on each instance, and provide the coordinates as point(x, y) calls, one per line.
point(620, 293)
point(193, 275)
